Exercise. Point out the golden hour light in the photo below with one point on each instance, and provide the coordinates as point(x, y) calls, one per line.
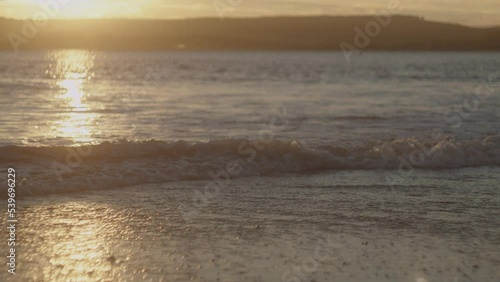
point(64, 8)
point(85, 8)
point(477, 13)
point(72, 69)
point(73, 94)
point(250, 140)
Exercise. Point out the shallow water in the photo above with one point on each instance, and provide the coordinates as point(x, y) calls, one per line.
point(259, 161)
point(323, 227)
point(82, 96)
point(267, 113)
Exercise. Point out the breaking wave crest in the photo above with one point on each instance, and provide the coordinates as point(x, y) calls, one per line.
point(48, 170)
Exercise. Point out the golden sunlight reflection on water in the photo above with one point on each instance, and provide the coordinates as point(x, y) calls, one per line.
point(75, 244)
point(72, 69)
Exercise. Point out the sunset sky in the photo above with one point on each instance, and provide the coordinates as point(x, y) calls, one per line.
point(476, 13)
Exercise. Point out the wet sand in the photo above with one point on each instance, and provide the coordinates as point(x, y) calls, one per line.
point(325, 227)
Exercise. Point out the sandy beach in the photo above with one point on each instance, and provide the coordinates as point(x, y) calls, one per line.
point(345, 230)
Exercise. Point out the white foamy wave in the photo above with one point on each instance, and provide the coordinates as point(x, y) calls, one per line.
point(48, 170)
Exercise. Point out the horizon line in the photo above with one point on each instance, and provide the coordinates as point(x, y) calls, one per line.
point(423, 18)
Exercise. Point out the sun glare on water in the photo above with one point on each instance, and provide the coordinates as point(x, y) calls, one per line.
point(71, 70)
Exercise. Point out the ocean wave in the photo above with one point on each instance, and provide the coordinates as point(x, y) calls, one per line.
point(48, 170)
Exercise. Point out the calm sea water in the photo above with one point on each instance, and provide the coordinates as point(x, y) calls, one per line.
point(74, 97)
point(240, 164)
point(181, 115)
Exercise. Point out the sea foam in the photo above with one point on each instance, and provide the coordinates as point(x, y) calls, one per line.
point(48, 170)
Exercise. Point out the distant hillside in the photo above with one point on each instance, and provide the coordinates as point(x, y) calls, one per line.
point(274, 33)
